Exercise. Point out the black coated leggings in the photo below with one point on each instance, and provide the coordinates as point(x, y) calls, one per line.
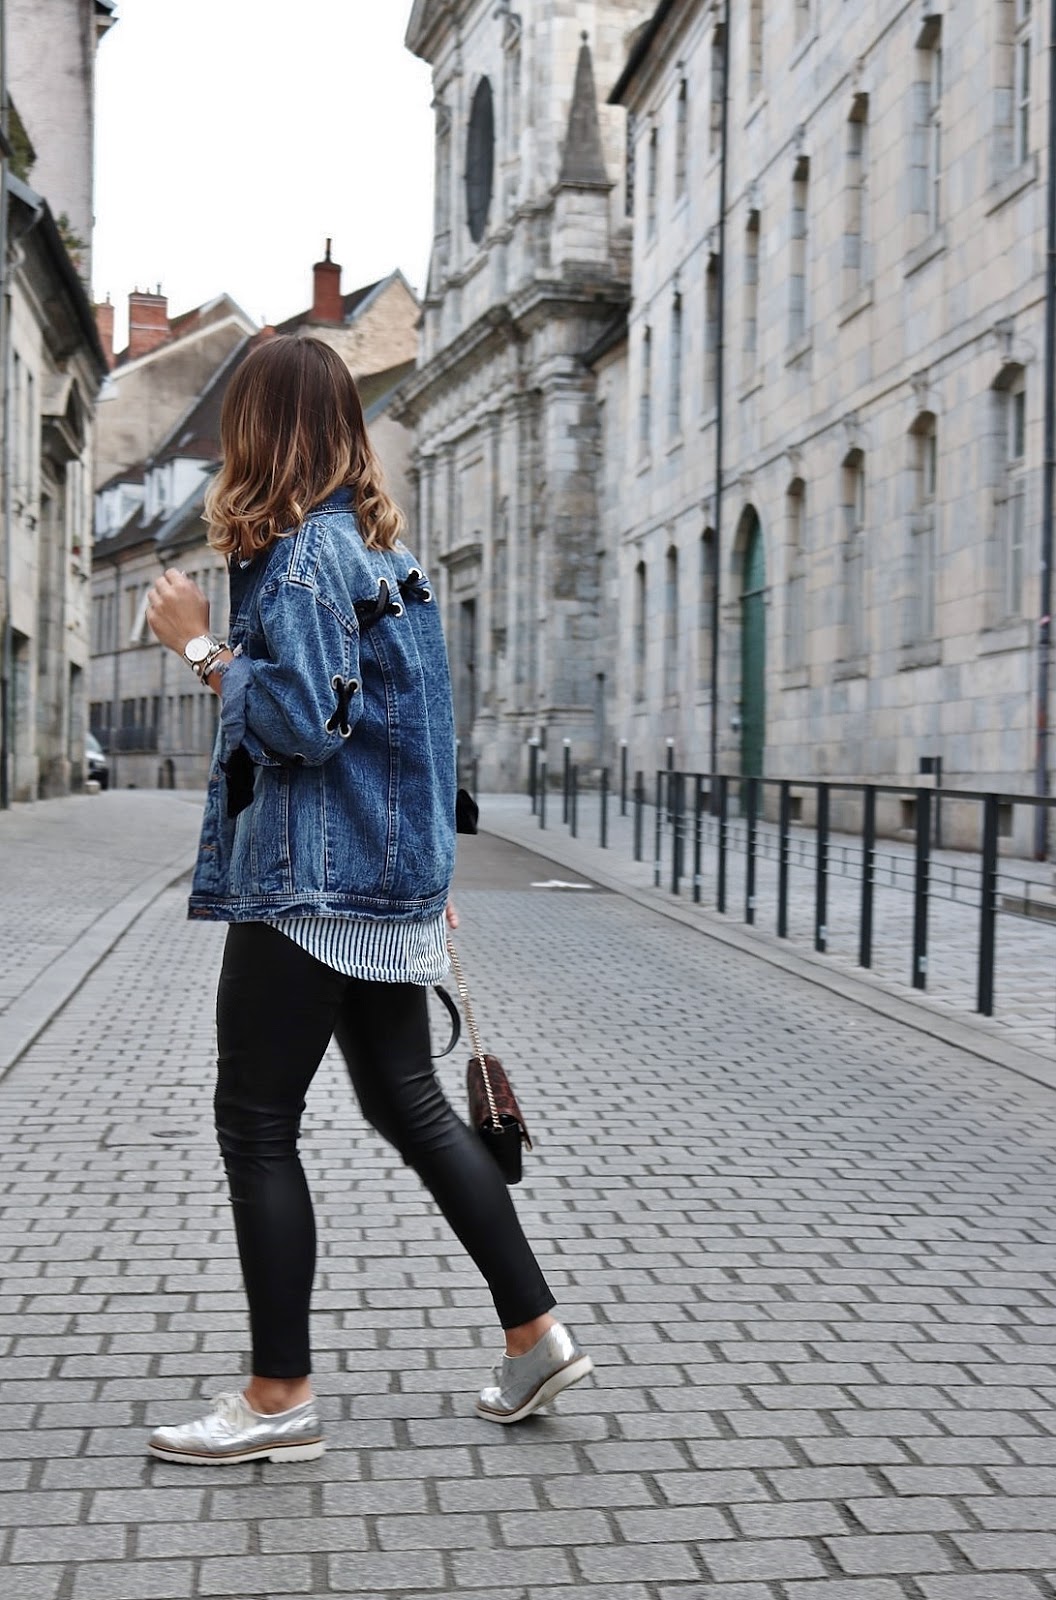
point(277, 1009)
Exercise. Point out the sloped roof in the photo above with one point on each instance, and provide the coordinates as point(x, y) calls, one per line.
point(642, 44)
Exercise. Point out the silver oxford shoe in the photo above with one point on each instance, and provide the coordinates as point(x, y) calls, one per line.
point(524, 1383)
point(232, 1433)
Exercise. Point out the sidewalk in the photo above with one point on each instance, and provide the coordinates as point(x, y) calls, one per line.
point(1022, 1033)
point(74, 875)
point(809, 1246)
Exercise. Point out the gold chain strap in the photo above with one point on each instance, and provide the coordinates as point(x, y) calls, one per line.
point(471, 1023)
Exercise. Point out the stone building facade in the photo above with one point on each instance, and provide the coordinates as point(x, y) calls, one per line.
point(53, 366)
point(148, 711)
point(878, 555)
point(530, 265)
point(864, 592)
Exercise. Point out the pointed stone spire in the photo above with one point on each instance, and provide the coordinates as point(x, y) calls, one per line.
point(583, 163)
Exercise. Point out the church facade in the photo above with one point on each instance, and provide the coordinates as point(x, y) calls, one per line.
point(530, 267)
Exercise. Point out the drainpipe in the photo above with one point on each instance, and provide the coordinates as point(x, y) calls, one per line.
point(1041, 770)
point(7, 652)
point(720, 397)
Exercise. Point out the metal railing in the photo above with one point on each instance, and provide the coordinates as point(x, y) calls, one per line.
point(699, 822)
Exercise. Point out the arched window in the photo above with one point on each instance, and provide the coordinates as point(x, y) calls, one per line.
point(671, 624)
point(711, 334)
point(674, 408)
point(705, 605)
point(852, 585)
point(640, 639)
point(751, 293)
point(796, 584)
point(1010, 495)
point(924, 447)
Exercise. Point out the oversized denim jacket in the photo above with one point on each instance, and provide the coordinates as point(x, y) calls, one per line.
point(332, 789)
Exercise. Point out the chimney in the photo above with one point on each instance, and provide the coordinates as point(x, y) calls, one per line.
point(104, 322)
point(326, 302)
point(148, 322)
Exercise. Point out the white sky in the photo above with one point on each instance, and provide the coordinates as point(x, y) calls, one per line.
point(234, 136)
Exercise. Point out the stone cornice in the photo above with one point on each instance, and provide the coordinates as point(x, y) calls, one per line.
point(534, 305)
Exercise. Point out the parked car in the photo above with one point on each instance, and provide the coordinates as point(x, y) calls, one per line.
point(96, 764)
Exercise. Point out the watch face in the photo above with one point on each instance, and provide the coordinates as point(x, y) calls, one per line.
point(197, 649)
point(480, 160)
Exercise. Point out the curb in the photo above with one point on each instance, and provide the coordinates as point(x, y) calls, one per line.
point(870, 992)
point(37, 1006)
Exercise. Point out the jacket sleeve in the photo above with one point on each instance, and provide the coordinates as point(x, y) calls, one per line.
point(302, 701)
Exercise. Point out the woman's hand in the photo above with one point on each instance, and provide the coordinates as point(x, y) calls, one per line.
point(451, 914)
point(177, 610)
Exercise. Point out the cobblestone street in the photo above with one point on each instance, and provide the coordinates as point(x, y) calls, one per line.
point(809, 1247)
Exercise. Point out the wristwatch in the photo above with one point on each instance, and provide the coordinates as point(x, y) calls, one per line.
point(201, 654)
point(198, 649)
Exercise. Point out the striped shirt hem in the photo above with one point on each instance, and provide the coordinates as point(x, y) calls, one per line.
point(376, 951)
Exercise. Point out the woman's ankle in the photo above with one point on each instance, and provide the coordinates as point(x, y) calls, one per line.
point(269, 1396)
point(521, 1339)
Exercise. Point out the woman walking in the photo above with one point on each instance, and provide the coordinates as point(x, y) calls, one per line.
point(328, 846)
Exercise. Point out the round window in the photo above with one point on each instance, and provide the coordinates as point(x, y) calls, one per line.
point(480, 160)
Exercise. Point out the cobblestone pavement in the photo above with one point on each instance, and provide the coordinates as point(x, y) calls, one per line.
point(73, 874)
point(1025, 967)
point(810, 1249)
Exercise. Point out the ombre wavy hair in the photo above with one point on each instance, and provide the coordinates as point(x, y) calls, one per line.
point(291, 432)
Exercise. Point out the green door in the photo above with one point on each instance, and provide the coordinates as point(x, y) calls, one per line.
point(753, 653)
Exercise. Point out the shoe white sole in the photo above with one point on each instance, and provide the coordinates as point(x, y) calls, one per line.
point(548, 1390)
point(277, 1452)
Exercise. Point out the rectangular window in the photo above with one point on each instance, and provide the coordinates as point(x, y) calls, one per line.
point(674, 408)
point(653, 182)
point(19, 425)
point(1023, 47)
point(645, 399)
point(718, 87)
point(31, 433)
point(682, 140)
point(755, 48)
point(799, 252)
point(934, 134)
point(857, 200)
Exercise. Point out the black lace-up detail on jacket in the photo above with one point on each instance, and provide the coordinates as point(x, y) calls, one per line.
point(414, 587)
point(371, 611)
point(344, 688)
